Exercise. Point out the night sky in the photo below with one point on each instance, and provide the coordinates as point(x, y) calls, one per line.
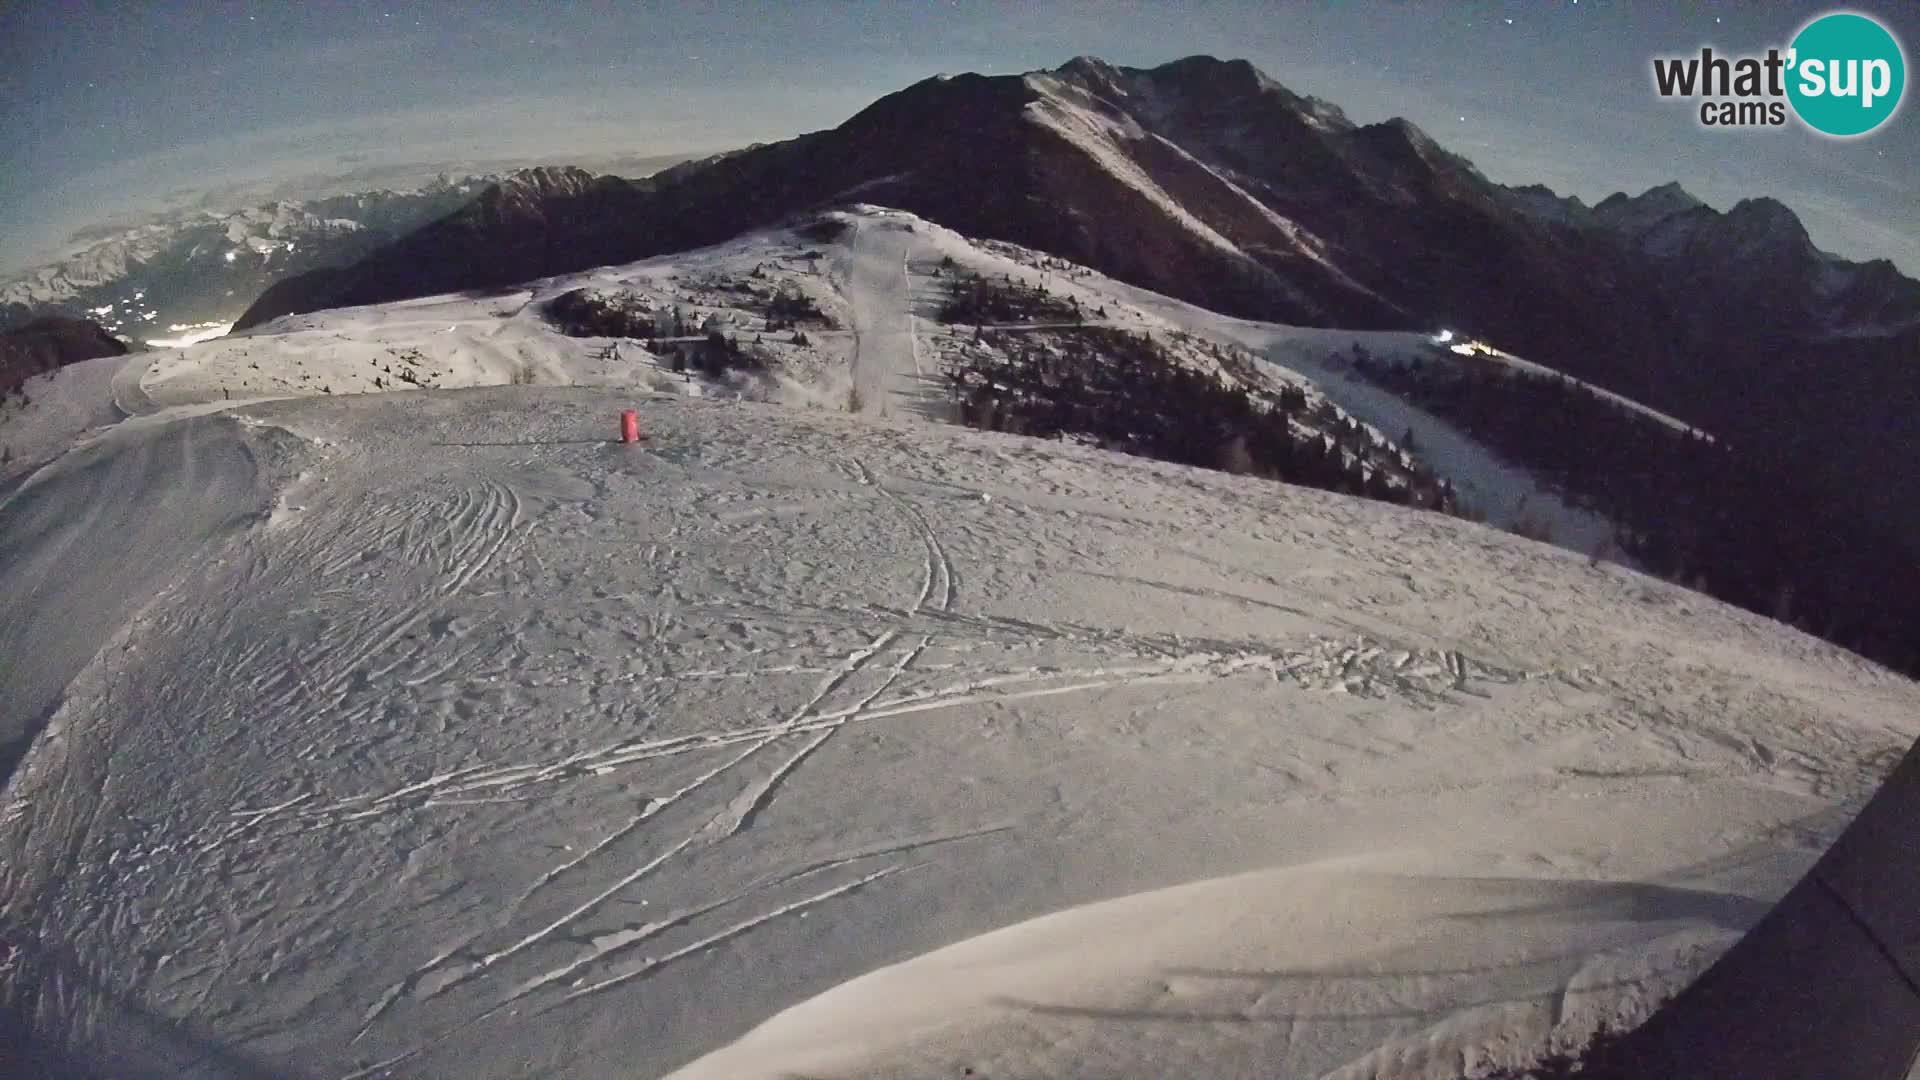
point(111, 106)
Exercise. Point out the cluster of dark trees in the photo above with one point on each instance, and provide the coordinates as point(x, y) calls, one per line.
point(584, 313)
point(1747, 525)
point(406, 374)
point(823, 230)
point(1124, 391)
point(984, 301)
point(713, 356)
point(790, 307)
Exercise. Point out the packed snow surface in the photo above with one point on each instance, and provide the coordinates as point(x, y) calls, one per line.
point(433, 733)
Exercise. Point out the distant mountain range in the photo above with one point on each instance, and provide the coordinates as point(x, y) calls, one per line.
point(1206, 180)
point(198, 270)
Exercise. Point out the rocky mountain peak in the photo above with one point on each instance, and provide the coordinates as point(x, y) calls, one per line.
point(1214, 75)
point(1765, 224)
point(1637, 213)
point(1090, 68)
point(1670, 193)
point(547, 180)
point(527, 193)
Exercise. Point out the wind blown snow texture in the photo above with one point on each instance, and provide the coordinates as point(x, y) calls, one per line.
point(456, 740)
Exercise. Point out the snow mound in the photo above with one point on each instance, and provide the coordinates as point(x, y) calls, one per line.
point(1343, 969)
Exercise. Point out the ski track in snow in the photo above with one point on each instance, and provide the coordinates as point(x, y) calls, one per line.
point(475, 745)
point(475, 530)
point(1361, 668)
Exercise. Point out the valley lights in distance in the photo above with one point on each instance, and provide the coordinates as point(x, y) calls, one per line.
point(1844, 74)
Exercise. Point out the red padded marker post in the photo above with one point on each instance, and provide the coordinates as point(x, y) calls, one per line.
point(629, 426)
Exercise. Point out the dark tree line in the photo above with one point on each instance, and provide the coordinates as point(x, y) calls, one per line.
point(1747, 527)
point(823, 230)
point(984, 301)
point(584, 313)
point(1123, 391)
point(790, 307)
point(712, 356)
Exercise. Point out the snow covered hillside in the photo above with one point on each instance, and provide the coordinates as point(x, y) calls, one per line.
point(454, 740)
point(1500, 491)
point(877, 277)
point(433, 733)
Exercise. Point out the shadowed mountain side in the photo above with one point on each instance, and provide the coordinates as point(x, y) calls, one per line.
point(50, 344)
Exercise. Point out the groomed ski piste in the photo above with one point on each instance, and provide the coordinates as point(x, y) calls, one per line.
point(434, 733)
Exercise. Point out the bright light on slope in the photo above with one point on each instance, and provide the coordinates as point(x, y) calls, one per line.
point(196, 333)
point(1443, 337)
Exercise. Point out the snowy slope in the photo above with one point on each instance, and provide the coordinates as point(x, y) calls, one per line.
point(1501, 491)
point(479, 746)
point(59, 407)
point(93, 527)
point(879, 283)
point(430, 733)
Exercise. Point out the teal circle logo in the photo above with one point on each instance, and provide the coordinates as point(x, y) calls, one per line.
point(1846, 75)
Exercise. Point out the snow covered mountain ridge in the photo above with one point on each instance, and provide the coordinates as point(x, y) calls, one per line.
point(1207, 181)
point(1683, 235)
point(881, 347)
